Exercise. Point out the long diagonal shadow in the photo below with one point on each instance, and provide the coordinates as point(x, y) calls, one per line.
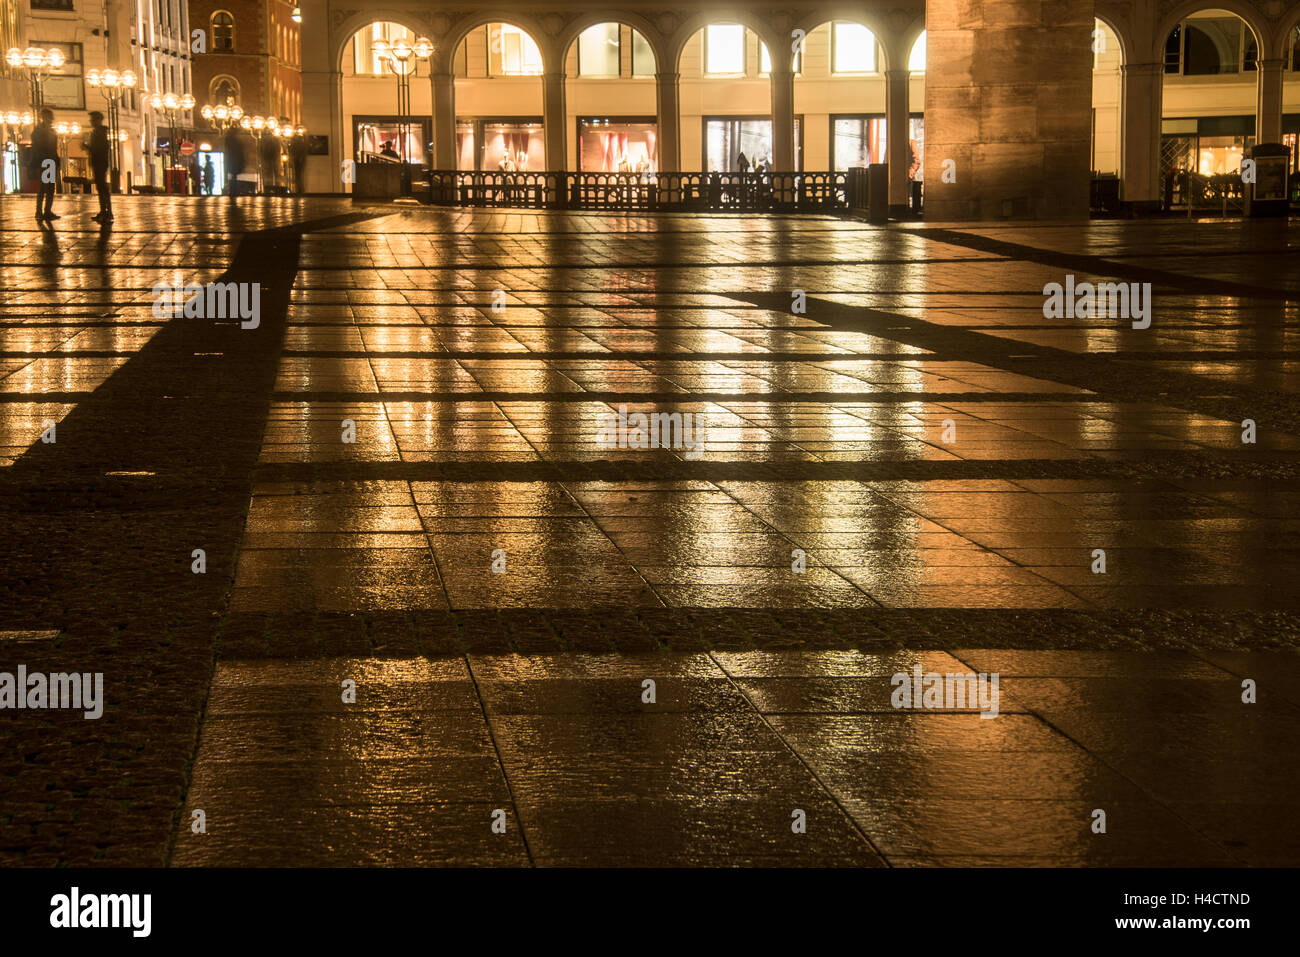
point(106, 560)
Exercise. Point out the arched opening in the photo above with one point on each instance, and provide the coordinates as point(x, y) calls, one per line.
point(839, 97)
point(499, 107)
point(1209, 107)
point(223, 91)
point(726, 100)
point(611, 101)
point(223, 32)
point(374, 128)
point(1107, 103)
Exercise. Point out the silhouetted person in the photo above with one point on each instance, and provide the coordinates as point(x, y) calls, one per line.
point(388, 151)
point(298, 157)
point(234, 150)
point(205, 177)
point(269, 149)
point(44, 165)
point(742, 162)
point(98, 147)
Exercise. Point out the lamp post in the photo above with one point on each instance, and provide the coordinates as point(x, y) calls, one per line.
point(170, 104)
point(113, 86)
point(64, 130)
point(223, 116)
point(14, 123)
point(39, 64)
point(402, 57)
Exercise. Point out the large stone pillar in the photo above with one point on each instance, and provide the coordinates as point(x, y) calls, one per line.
point(322, 114)
point(897, 152)
point(1268, 118)
point(322, 99)
point(1140, 187)
point(443, 86)
point(555, 118)
point(783, 158)
point(1008, 109)
point(668, 106)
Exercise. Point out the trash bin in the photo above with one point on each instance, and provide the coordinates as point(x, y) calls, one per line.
point(178, 180)
point(878, 193)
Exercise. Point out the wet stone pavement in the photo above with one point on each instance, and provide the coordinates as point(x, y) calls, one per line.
point(450, 612)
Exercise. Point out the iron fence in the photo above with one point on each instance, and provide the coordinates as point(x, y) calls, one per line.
point(709, 192)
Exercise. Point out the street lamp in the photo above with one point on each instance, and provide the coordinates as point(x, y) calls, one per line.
point(223, 116)
point(402, 57)
point(64, 130)
point(170, 104)
point(113, 86)
point(15, 121)
point(39, 64)
point(261, 127)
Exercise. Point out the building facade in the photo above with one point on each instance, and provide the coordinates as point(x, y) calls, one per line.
point(1130, 87)
point(149, 37)
point(252, 56)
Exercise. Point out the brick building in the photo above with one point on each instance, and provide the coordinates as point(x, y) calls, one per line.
point(253, 56)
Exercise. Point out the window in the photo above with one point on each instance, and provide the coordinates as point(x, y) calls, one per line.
point(223, 32)
point(916, 59)
point(223, 90)
point(598, 50)
point(1295, 50)
point(365, 61)
point(643, 58)
point(724, 49)
point(63, 89)
point(727, 138)
point(512, 52)
point(853, 49)
point(1210, 45)
point(52, 5)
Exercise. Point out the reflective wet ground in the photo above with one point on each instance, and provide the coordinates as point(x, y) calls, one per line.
point(421, 471)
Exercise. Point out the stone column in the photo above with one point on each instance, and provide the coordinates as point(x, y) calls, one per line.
point(783, 158)
point(897, 152)
point(1008, 109)
point(1268, 118)
point(555, 117)
point(443, 87)
point(668, 105)
point(322, 115)
point(1140, 187)
point(322, 100)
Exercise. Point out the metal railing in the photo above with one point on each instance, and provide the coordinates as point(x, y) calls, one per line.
point(708, 192)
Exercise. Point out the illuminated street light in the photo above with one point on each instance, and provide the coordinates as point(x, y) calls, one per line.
point(170, 104)
point(113, 85)
point(402, 57)
point(39, 63)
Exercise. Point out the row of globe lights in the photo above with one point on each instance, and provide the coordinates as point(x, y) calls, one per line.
point(271, 125)
point(35, 58)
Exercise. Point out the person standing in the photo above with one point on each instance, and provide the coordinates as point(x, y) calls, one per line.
point(98, 148)
point(298, 157)
point(205, 177)
point(44, 165)
point(234, 150)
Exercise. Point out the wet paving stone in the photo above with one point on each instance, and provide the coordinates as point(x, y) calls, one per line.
point(397, 485)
